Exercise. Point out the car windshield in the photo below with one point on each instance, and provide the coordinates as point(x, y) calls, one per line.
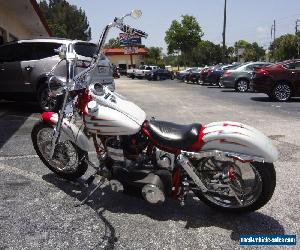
point(191, 69)
point(217, 67)
point(240, 67)
point(85, 49)
point(232, 67)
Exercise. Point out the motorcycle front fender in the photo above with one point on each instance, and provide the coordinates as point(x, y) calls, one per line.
point(70, 129)
point(238, 138)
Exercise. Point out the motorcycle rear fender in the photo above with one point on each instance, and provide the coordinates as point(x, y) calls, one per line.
point(73, 133)
point(238, 138)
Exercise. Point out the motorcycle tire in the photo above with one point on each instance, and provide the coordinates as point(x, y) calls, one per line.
point(268, 179)
point(73, 174)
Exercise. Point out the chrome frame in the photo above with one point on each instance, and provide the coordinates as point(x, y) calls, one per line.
point(183, 160)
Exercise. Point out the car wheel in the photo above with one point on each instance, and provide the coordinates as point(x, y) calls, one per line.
point(172, 77)
point(221, 85)
point(157, 78)
point(214, 83)
point(200, 82)
point(282, 92)
point(46, 102)
point(242, 85)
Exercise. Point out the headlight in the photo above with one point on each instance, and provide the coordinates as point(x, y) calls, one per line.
point(56, 85)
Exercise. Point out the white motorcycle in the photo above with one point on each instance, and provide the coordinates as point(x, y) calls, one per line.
point(228, 165)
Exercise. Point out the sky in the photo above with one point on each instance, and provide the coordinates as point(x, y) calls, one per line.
point(247, 20)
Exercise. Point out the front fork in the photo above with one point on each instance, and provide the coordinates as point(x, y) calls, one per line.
point(57, 128)
point(56, 133)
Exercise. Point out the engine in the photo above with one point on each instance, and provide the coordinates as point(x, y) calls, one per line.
point(132, 169)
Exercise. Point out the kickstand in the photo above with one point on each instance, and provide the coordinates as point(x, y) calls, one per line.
point(99, 184)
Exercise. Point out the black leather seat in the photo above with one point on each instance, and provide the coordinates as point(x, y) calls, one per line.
point(173, 135)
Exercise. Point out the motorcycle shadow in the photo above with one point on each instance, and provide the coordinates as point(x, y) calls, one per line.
point(195, 214)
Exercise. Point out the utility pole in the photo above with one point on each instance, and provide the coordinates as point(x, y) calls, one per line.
point(223, 34)
point(297, 26)
point(273, 30)
point(297, 29)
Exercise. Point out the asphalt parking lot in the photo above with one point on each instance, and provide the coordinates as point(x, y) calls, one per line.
point(37, 209)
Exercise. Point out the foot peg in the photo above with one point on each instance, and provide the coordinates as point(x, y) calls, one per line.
point(89, 180)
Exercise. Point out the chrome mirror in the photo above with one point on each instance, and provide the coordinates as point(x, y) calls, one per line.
point(136, 14)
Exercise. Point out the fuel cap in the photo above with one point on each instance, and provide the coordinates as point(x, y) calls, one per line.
point(92, 107)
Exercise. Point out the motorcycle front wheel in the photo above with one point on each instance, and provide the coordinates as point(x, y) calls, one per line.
point(234, 186)
point(68, 160)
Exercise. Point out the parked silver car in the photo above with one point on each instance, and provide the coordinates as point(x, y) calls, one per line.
point(24, 66)
point(239, 78)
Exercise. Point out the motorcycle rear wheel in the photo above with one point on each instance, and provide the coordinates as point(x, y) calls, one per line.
point(256, 196)
point(68, 160)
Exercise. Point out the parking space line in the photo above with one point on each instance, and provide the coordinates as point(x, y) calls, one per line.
point(29, 175)
point(14, 157)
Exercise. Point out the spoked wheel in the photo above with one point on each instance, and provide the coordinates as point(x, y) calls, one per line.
point(282, 92)
point(235, 186)
point(68, 160)
point(242, 85)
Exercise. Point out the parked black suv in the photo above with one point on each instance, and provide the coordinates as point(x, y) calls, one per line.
point(24, 66)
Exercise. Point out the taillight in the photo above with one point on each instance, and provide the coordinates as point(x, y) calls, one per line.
point(262, 71)
point(227, 73)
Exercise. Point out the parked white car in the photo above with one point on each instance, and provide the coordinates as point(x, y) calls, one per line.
point(130, 72)
point(143, 70)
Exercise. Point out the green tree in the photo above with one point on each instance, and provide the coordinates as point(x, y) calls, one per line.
point(154, 55)
point(66, 20)
point(113, 43)
point(252, 52)
point(206, 53)
point(284, 47)
point(230, 54)
point(183, 36)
